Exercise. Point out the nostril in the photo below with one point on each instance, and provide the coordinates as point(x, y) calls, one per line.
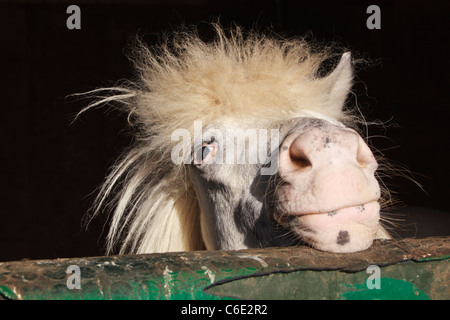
point(361, 159)
point(364, 156)
point(298, 157)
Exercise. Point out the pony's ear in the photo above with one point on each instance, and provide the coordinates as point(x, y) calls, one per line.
point(339, 82)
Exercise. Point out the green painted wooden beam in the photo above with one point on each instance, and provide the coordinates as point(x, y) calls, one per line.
point(408, 269)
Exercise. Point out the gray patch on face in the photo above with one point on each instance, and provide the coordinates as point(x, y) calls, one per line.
point(343, 237)
point(328, 141)
point(361, 208)
point(285, 148)
point(332, 213)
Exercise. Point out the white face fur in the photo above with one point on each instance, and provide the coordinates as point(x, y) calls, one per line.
point(323, 192)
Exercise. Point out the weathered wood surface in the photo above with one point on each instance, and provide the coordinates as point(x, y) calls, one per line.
point(409, 269)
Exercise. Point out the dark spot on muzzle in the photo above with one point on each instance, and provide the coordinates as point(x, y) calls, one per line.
point(343, 237)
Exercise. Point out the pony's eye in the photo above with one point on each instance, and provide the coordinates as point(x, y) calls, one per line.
point(207, 151)
point(203, 152)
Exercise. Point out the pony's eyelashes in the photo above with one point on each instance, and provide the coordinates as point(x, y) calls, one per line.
point(204, 154)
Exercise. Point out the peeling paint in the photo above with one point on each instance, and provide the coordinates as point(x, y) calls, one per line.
point(257, 258)
point(209, 273)
point(167, 277)
point(99, 286)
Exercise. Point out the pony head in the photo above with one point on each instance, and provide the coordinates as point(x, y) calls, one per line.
point(241, 142)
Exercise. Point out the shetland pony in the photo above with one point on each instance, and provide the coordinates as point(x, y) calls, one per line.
point(241, 142)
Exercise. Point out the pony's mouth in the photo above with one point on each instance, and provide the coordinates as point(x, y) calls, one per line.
point(371, 207)
point(348, 229)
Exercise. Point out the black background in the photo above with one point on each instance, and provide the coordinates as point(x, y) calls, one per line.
point(51, 168)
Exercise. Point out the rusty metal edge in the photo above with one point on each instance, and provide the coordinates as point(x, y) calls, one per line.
point(223, 264)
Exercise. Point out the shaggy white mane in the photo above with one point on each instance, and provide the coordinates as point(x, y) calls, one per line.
point(240, 76)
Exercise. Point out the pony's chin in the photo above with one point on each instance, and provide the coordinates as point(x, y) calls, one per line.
point(345, 230)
